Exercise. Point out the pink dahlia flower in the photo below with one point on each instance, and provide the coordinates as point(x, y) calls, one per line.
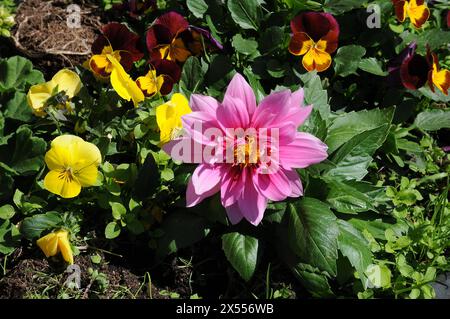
point(247, 182)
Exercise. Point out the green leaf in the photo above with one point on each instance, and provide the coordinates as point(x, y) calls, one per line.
point(355, 247)
point(347, 59)
point(197, 7)
point(313, 280)
point(379, 276)
point(32, 227)
point(313, 233)
point(433, 120)
point(255, 85)
point(244, 46)
point(371, 65)
point(17, 108)
point(112, 230)
point(246, 13)
point(194, 229)
point(315, 94)
point(338, 7)
point(242, 252)
point(348, 200)
point(147, 180)
point(191, 76)
point(24, 153)
point(7, 211)
point(353, 158)
point(17, 73)
point(118, 210)
point(348, 125)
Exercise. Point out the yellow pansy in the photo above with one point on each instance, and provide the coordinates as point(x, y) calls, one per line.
point(123, 84)
point(168, 116)
point(150, 84)
point(56, 242)
point(65, 80)
point(73, 163)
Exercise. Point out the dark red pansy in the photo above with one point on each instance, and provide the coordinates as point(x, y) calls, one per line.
point(448, 18)
point(165, 29)
point(408, 69)
point(173, 72)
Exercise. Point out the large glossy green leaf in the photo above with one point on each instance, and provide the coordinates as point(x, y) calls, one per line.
point(353, 158)
point(17, 108)
point(242, 252)
point(313, 232)
point(433, 120)
point(313, 280)
point(345, 197)
point(32, 227)
point(16, 73)
point(246, 13)
point(348, 125)
point(24, 154)
point(355, 247)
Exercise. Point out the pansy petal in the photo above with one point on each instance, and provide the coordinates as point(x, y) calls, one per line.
point(59, 183)
point(300, 43)
point(37, 96)
point(48, 244)
point(122, 38)
point(122, 83)
point(400, 9)
point(64, 246)
point(418, 13)
point(316, 60)
point(67, 81)
point(173, 21)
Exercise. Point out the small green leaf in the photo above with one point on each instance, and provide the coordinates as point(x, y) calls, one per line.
point(191, 76)
point(17, 73)
point(242, 252)
point(197, 7)
point(371, 65)
point(379, 276)
point(347, 59)
point(112, 230)
point(7, 211)
point(244, 46)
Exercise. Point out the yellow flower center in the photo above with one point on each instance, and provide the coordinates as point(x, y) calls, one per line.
point(247, 154)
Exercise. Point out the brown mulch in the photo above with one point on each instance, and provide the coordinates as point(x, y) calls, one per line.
point(31, 277)
point(43, 34)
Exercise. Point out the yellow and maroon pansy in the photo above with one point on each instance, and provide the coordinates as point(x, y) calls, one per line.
point(161, 77)
point(436, 76)
point(315, 36)
point(163, 38)
point(118, 41)
point(416, 10)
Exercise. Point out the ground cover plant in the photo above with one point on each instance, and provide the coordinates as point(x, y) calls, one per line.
point(224, 149)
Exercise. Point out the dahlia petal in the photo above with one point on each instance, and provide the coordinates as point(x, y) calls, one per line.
point(274, 106)
point(206, 177)
point(234, 213)
point(232, 113)
point(304, 151)
point(275, 186)
point(252, 204)
point(240, 89)
point(196, 123)
point(295, 182)
point(232, 186)
point(203, 103)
